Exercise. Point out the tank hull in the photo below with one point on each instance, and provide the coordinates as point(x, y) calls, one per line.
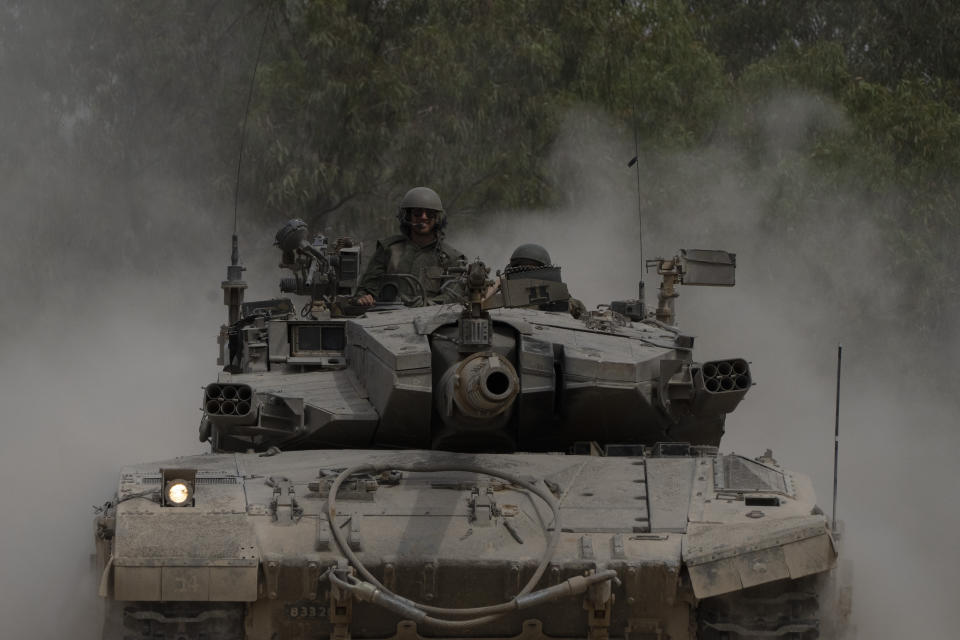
point(250, 555)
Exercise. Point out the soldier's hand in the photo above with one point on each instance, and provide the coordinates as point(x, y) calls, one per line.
point(366, 300)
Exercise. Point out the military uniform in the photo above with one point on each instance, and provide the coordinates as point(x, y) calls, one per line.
point(399, 254)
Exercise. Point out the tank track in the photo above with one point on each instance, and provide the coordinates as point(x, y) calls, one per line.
point(788, 609)
point(173, 621)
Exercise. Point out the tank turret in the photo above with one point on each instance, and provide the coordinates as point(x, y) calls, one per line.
point(497, 372)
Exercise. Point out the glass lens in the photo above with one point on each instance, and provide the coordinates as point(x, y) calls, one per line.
point(178, 492)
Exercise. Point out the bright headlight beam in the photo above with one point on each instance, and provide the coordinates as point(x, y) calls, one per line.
point(178, 492)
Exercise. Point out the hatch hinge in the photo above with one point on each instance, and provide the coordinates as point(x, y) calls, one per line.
point(599, 603)
point(483, 508)
point(341, 611)
point(284, 508)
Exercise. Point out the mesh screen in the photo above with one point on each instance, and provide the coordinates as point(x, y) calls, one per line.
point(199, 480)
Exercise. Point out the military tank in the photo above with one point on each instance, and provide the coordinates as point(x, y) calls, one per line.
point(490, 468)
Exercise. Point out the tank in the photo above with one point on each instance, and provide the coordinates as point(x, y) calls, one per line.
point(490, 468)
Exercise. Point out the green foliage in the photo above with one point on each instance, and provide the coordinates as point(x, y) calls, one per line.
point(895, 156)
point(366, 98)
point(837, 102)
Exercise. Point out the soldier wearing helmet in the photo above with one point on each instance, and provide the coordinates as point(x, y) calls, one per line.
point(420, 252)
point(532, 257)
point(531, 281)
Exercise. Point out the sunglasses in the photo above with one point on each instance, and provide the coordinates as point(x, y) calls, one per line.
point(427, 213)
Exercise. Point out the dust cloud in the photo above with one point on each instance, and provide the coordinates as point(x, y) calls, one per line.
point(100, 365)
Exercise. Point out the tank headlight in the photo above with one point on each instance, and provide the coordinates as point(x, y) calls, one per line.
point(178, 493)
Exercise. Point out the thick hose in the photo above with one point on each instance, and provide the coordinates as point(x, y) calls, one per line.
point(495, 611)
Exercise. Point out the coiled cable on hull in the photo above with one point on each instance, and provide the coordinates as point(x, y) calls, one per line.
point(373, 590)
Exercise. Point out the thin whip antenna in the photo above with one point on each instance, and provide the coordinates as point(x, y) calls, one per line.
point(234, 286)
point(636, 161)
point(243, 133)
point(836, 438)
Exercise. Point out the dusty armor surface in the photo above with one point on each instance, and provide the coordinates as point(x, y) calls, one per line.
point(478, 470)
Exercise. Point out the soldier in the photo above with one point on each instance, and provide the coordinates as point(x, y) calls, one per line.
point(531, 256)
point(420, 251)
point(531, 262)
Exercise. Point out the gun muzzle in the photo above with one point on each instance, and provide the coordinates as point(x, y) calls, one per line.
point(480, 387)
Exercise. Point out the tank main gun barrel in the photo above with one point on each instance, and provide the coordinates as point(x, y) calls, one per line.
point(477, 392)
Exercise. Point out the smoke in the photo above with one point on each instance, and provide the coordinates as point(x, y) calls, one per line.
point(802, 289)
point(106, 348)
point(110, 295)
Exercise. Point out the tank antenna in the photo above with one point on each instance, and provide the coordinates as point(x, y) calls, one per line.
point(636, 162)
point(836, 437)
point(234, 285)
point(243, 131)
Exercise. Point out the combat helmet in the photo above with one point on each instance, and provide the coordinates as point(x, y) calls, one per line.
point(530, 255)
point(531, 261)
point(420, 198)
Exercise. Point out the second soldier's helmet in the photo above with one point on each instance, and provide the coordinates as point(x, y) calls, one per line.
point(530, 255)
point(420, 198)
